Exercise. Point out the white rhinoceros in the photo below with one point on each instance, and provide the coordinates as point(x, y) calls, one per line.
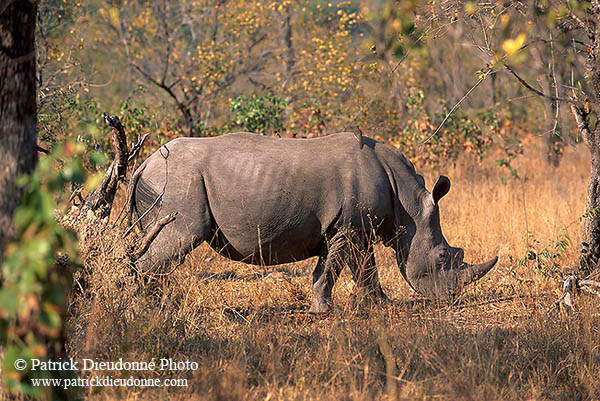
point(266, 200)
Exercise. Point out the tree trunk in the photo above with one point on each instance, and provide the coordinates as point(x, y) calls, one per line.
point(590, 251)
point(18, 154)
point(285, 40)
point(590, 242)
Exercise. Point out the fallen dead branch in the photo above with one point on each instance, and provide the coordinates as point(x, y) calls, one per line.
point(570, 287)
point(100, 201)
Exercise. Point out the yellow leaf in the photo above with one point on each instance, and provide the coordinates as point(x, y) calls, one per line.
point(470, 8)
point(511, 46)
point(93, 181)
point(113, 15)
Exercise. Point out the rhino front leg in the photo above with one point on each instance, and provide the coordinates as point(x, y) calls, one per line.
point(366, 277)
point(324, 276)
point(326, 273)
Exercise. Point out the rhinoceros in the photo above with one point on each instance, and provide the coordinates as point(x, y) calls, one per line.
point(266, 200)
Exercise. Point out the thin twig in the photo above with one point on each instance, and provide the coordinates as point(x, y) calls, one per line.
point(135, 150)
point(483, 76)
point(524, 97)
point(556, 92)
point(456, 105)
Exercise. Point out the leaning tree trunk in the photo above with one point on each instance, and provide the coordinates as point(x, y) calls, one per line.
point(100, 201)
point(18, 154)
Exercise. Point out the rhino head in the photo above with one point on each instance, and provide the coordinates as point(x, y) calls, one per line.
point(433, 267)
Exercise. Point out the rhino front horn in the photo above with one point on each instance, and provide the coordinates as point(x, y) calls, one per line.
point(471, 273)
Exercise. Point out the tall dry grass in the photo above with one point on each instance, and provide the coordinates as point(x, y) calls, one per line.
point(246, 328)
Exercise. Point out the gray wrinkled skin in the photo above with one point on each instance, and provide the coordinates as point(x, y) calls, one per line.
point(265, 200)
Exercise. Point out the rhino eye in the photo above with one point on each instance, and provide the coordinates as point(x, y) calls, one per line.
point(443, 258)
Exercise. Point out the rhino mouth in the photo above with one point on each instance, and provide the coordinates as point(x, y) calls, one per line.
point(447, 284)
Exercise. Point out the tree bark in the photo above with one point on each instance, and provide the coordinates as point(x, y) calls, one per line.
point(18, 154)
point(590, 244)
point(590, 250)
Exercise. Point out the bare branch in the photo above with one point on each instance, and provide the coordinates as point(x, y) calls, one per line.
point(169, 90)
point(167, 31)
point(590, 282)
point(100, 201)
point(135, 149)
point(556, 90)
point(151, 236)
point(537, 91)
point(119, 141)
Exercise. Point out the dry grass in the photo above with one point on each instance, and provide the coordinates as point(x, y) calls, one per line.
point(246, 328)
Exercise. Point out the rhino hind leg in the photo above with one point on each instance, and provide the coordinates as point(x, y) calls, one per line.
point(192, 226)
point(170, 248)
point(322, 286)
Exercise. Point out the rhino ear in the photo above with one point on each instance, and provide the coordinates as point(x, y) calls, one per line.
point(441, 188)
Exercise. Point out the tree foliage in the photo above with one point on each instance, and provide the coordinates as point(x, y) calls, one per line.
point(193, 68)
point(37, 272)
point(258, 113)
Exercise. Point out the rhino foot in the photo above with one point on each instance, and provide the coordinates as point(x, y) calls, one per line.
point(362, 299)
point(319, 307)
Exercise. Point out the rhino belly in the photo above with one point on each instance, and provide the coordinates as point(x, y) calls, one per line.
point(268, 241)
